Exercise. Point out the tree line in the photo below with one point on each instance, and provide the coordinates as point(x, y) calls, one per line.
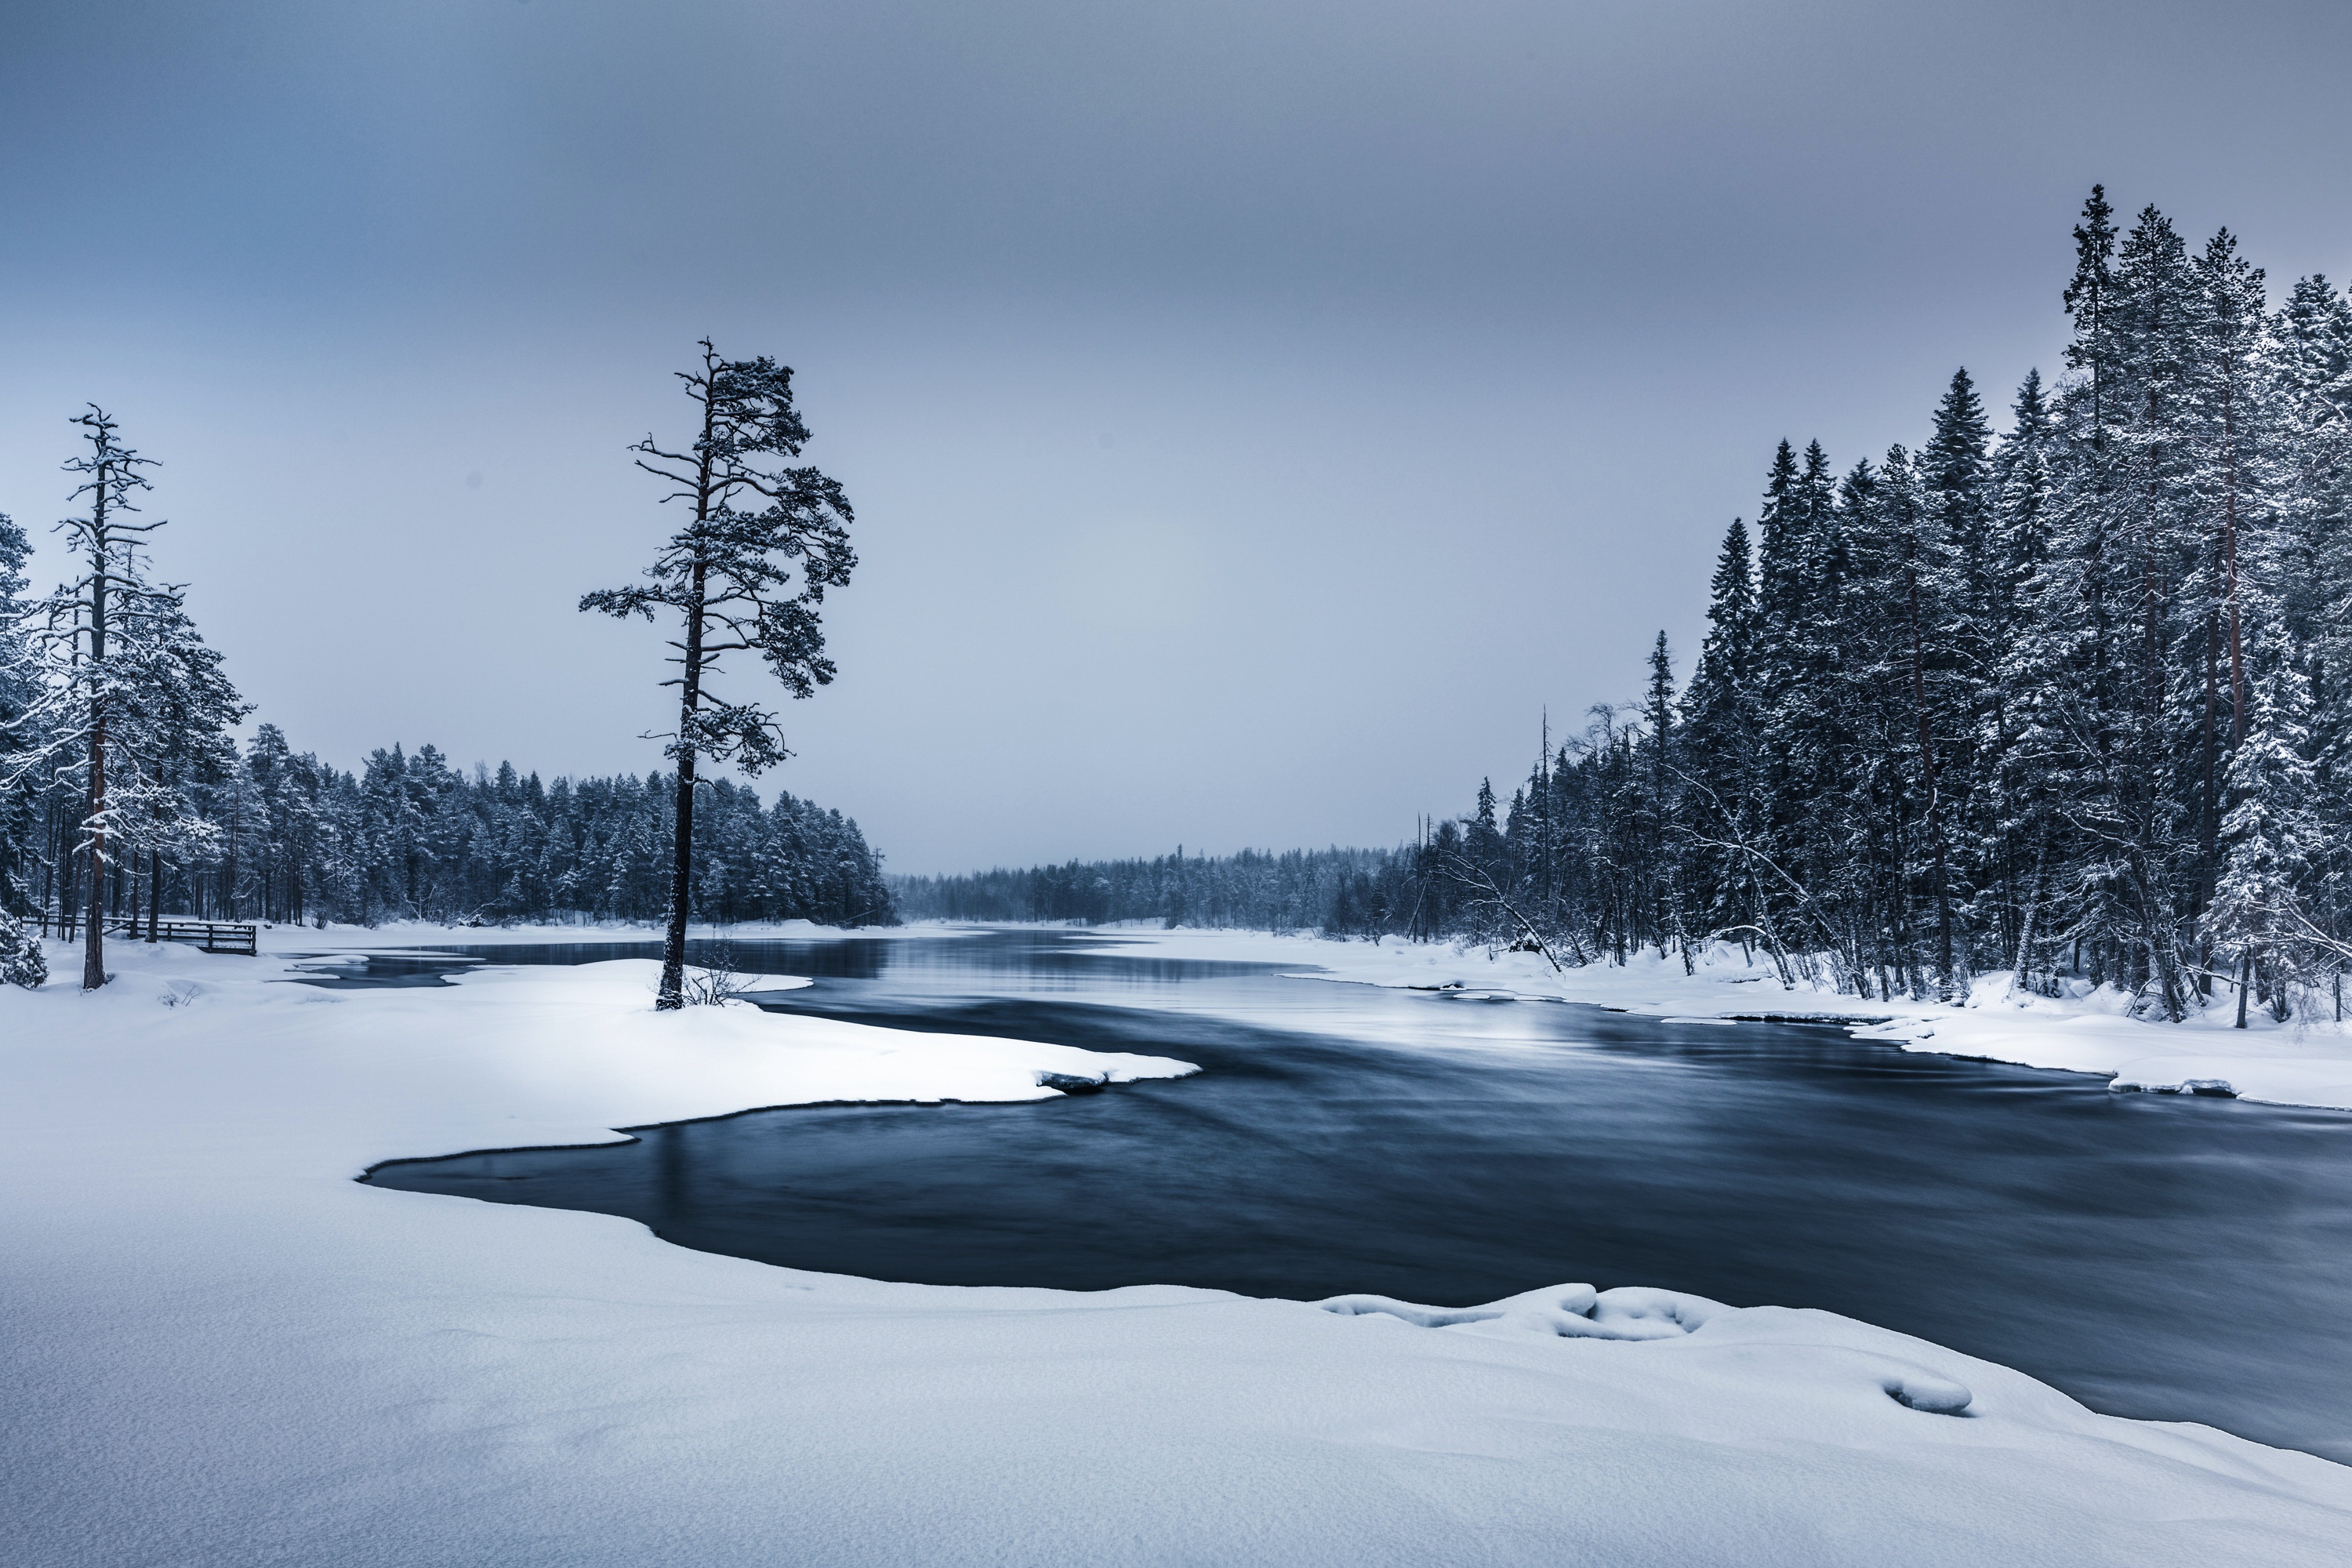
point(1259, 889)
point(126, 799)
point(2067, 705)
point(409, 837)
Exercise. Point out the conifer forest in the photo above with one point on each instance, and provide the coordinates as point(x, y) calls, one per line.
point(108, 674)
point(2061, 695)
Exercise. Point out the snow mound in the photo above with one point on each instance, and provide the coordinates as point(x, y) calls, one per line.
point(1560, 1311)
point(1637, 1313)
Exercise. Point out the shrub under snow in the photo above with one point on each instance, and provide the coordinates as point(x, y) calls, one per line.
point(21, 960)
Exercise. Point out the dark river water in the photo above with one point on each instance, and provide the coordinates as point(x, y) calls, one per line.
point(2161, 1257)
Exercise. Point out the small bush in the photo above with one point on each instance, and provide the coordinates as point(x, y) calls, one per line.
point(716, 984)
point(22, 962)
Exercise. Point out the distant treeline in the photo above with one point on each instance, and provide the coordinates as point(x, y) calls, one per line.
point(284, 836)
point(1295, 890)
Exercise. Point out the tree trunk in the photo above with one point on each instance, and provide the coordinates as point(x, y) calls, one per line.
point(2020, 974)
point(672, 995)
point(93, 952)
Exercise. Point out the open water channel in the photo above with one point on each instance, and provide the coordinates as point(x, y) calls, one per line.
point(2158, 1256)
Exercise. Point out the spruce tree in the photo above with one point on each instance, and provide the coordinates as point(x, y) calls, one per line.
point(2271, 835)
point(1720, 730)
point(2087, 298)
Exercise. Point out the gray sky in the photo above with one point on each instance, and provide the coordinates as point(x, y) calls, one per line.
point(1254, 414)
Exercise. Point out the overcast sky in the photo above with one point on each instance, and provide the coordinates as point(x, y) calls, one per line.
point(1254, 414)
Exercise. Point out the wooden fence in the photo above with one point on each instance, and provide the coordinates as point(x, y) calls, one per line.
point(213, 936)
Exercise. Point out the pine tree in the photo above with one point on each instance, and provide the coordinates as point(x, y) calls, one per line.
point(123, 685)
point(1720, 732)
point(1662, 749)
point(17, 694)
point(1785, 526)
point(2229, 480)
point(2087, 298)
point(729, 574)
point(1972, 630)
point(1918, 574)
point(2270, 833)
point(2021, 808)
point(2021, 482)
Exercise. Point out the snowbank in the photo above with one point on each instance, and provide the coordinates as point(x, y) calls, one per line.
point(408, 934)
point(220, 1350)
point(2294, 1064)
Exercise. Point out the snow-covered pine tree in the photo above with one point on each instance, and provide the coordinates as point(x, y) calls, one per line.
point(123, 686)
point(1852, 865)
point(1917, 573)
point(1970, 630)
point(1798, 507)
point(2022, 485)
point(2020, 801)
point(2314, 575)
point(17, 818)
point(2232, 481)
point(745, 574)
point(177, 711)
point(1804, 732)
point(2092, 350)
point(1662, 749)
point(1720, 739)
point(2315, 394)
point(2271, 835)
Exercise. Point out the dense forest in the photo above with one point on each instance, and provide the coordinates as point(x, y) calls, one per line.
point(109, 672)
point(2068, 704)
point(1293, 890)
point(292, 839)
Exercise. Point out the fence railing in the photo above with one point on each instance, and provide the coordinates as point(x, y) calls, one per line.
point(213, 936)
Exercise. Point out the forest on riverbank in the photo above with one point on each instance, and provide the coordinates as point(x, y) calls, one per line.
point(198, 824)
point(272, 833)
point(2071, 701)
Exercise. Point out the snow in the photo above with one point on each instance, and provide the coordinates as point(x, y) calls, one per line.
point(407, 936)
point(2306, 1064)
point(220, 1350)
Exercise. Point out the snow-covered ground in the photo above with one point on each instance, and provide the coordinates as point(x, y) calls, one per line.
point(218, 1349)
point(407, 934)
point(2292, 1064)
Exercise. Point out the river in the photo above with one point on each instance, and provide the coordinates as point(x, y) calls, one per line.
point(2160, 1257)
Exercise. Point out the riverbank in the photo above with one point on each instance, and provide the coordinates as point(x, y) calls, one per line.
point(288, 938)
point(224, 1351)
point(2298, 1063)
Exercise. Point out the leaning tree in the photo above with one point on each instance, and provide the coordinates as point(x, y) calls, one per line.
point(744, 574)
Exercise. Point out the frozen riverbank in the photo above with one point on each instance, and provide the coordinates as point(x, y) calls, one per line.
point(224, 1351)
point(2294, 1064)
point(402, 935)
